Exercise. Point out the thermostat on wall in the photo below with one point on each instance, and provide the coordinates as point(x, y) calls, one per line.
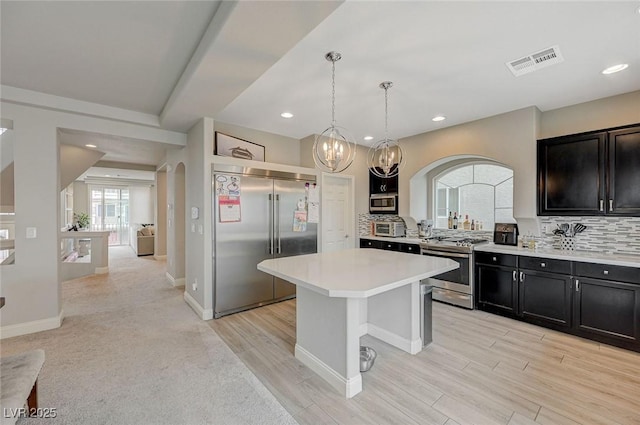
point(194, 212)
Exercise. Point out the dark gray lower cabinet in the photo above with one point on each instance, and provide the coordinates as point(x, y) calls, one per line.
point(497, 288)
point(608, 311)
point(390, 246)
point(573, 297)
point(545, 298)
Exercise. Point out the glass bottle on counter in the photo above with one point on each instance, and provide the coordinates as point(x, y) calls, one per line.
point(473, 224)
point(466, 224)
point(450, 221)
point(455, 220)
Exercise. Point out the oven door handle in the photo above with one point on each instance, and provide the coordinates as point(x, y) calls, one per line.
point(444, 254)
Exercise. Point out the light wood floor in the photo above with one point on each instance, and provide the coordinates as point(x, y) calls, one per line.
point(480, 369)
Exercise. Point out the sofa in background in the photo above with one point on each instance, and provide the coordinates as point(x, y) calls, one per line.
point(143, 240)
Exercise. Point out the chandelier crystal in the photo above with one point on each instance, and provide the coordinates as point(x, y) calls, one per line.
point(385, 157)
point(333, 150)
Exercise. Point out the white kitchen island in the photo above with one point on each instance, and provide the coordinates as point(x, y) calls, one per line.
point(343, 295)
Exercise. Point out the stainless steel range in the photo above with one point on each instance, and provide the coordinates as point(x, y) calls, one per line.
point(456, 286)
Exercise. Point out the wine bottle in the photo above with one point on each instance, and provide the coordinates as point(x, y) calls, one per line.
point(455, 220)
point(450, 221)
point(466, 224)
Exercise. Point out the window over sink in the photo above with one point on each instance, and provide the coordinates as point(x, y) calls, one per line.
point(483, 191)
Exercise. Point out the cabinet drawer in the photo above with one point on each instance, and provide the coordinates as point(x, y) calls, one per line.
point(410, 248)
point(545, 265)
point(608, 272)
point(370, 243)
point(496, 259)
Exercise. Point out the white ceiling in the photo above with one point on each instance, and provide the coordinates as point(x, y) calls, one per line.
point(246, 62)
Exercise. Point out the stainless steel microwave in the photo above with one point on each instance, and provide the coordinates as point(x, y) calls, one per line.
point(383, 203)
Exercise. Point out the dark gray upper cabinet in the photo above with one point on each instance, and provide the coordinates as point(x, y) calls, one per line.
point(593, 173)
point(624, 172)
point(381, 185)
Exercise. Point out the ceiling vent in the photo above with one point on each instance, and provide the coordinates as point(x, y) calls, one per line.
point(535, 61)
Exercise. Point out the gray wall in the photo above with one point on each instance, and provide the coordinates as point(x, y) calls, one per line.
point(32, 285)
point(278, 149)
point(160, 222)
point(602, 113)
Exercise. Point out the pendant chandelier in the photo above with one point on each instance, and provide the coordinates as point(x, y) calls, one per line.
point(333, 151)
point(385, 157)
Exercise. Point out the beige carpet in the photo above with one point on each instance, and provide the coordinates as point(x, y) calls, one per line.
point(130, 351)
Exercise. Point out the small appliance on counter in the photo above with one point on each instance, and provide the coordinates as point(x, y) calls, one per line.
point(425, 229)
point(393, 229)
point(410, 225)
point(505, 234)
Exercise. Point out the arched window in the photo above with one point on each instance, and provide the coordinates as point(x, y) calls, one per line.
point(482, 191)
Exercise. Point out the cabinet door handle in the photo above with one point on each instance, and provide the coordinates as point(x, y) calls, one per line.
point(577, 285)
point(610, 204)
point(515, 276)
point(522, 277)
point(543, 265)
point(601, 204)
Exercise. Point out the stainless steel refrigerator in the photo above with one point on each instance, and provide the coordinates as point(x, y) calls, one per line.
point(254, 223)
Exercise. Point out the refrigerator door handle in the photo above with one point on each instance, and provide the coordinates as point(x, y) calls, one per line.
point(270, 224)
point(279, 251)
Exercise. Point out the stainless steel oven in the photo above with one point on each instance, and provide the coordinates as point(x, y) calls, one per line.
point(456, 286)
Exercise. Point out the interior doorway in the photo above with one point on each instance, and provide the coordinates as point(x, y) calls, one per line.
point(338, 215)
point(110, 212)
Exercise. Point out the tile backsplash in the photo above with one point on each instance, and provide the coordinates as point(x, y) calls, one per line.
point(615, 235)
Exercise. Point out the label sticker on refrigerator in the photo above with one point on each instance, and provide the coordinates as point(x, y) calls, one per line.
point(228, 193)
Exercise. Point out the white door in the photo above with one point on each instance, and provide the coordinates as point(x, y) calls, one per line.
point(338, 222)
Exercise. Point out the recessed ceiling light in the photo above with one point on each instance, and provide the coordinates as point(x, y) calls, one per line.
point(615, 68)
point(438, 118)
point(286, 115)
point(368, 137)
point(91, 146)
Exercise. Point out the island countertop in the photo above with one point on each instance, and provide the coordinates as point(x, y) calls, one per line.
point(356, 273)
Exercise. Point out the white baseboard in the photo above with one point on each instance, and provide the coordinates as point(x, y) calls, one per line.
point(102, 270)
point(347, 387)
point(201, 312)
point(31, 327)
point(173, 281)
point(410, 346)
point(160, 257)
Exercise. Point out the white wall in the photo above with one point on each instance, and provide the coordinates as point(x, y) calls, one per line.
point(81, 197)
point(141, 205)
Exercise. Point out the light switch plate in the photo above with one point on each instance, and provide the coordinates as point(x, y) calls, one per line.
point(31, 232)
point(195, 212)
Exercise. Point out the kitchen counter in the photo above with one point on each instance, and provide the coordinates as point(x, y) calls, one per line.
point(343, 295)
point(582, 256)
